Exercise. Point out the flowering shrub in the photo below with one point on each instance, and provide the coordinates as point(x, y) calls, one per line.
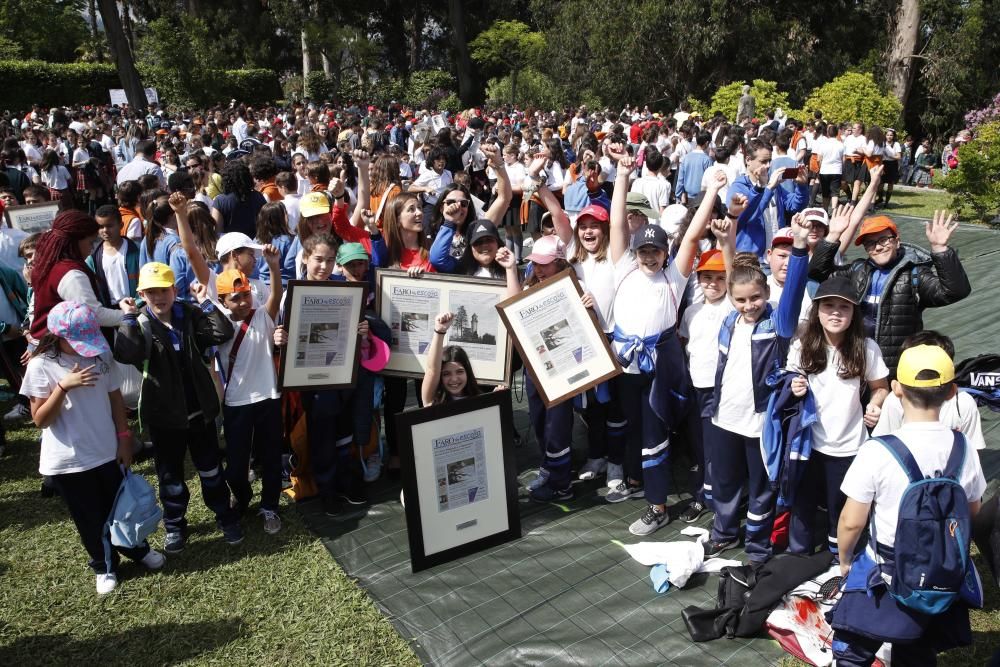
point(987, 114)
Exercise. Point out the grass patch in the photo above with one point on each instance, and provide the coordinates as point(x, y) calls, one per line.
point(275, 599)
point(918, 203)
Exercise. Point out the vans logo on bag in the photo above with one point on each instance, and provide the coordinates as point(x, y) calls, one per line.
point(986, 380)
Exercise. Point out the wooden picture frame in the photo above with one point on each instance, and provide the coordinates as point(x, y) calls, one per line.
point(32, 218)
point(560, 341)
point(459, 478)
point(413, 303)
point(321, 318)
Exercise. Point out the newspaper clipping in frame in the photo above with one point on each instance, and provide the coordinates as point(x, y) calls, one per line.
point(460, 468)
point(475, 324)
point(412, 311)
point(552, 323)
point(324, 330)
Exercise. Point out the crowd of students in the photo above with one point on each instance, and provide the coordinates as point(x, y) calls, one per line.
point(711, 252)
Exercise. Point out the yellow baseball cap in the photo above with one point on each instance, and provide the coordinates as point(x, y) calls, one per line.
point(314, 203)
point(916, 360)
point(155, 274)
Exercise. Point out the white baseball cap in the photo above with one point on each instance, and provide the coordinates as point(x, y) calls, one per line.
point(234, 241)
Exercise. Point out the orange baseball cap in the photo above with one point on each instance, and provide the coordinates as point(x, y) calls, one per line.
point(874, 225)
point(711, 261)
point(232, 281)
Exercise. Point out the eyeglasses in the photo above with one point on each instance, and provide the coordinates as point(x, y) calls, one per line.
point(878, 244)
point(464, 203)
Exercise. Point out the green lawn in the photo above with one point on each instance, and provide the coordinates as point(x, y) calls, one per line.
point(272, 600)
point(918, 203)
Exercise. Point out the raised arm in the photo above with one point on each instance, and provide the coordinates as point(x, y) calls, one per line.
point(273, 259)
point(202, 271)
point(948, 282)
point(620, 234)
point(859, 212)
point(432, 373)
point(786, 315)
point(725, 235)
point(499, 206)
point(702, 217)
point(361, 160)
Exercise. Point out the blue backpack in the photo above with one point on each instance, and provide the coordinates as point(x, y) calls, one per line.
point(932, 532)
point(135, 514)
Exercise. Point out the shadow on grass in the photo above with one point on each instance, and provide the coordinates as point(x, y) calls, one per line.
point(157, 644)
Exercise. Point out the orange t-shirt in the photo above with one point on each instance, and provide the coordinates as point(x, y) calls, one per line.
point(270, 191)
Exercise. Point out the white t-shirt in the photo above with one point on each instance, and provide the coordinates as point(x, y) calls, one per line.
point(776, 291)
point(736, 411)
point(959, 413)
point(831, 151)
point(854, 146)
point(292, 203)
point(656, 190)
point(600, 280)
point(56, 178)
point(700, 326)
point(645, 305)
point(116, 274)
point(840, 428)
point(82, 436)
point(429, 178)
point(516, 173)
point(876, 477)
point(252, 379)
point(873, 150)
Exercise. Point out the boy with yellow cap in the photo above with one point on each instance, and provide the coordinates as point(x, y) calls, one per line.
point(170, 341)
point(910, 586)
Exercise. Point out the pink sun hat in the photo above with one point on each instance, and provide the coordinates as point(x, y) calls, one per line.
point(374, 353)
point(77, 324)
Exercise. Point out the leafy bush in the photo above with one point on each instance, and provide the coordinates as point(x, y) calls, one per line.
point(292, 88)
point(450, 102)
point(854, 96)
point(976, 181)
point(768, 98)
point(318, 86)
point(55, 84)
point(423, 84)
point(533, 89)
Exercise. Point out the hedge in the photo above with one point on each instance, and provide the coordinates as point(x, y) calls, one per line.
point(69, 84)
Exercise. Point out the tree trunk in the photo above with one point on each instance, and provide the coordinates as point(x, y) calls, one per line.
point(463, 61)
point(513, 87)
point(326, 64)
point(124, 60)
point(306, 68)
point(416, 36)
point(95, 37)
point(902, 48)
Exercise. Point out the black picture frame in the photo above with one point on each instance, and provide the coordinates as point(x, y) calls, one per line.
point(498, 509)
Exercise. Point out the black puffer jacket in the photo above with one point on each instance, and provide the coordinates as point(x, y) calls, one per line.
point(162, 402)
point(919, 280)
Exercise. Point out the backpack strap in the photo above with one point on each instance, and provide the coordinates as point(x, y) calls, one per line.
point(956, 460)
point(902, 456)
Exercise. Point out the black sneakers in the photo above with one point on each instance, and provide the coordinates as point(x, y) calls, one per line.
point(692, 512)
point(713, 549)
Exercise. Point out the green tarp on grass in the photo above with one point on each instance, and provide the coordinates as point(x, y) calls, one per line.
point(566, 593)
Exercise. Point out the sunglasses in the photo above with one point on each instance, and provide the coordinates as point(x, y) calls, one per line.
point(464, 203)
point(878, 244)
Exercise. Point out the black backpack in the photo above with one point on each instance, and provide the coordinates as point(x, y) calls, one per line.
point(980, 378)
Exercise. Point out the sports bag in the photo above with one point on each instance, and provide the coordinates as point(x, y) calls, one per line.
point(933, 531)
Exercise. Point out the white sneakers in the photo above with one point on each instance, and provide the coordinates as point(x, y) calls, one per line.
point(272, 522)
point(540, 481)
point(373, 467)
point(616, 475)
point(106, 583)
point(592, 468)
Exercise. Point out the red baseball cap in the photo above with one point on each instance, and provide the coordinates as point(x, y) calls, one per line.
point(594, 211)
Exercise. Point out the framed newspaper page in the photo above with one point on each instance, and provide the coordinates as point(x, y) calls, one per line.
point(560, 341)
point(459, 478)
point(31, 218)
point(321, 318)
point(409, 306)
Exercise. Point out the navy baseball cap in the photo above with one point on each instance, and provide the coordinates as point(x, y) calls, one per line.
point(653, 235)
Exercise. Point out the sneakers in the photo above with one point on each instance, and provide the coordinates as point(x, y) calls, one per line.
point(373, 467)
point(154, 560)
point(692, 512)
point(546, 494)
point(174, 542)
point(616, 475)
point(272, 522)
point(19, 412)
point(332, 506)
point(650, 521)
point(355, 498)
point(232, 533)
point(540, 481)
point(106, 583)
point(623, 492)
point(713, 548)
point(592, 468)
